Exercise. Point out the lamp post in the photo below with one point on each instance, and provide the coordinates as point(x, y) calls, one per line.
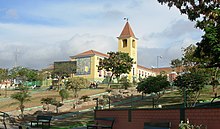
point(158, 62)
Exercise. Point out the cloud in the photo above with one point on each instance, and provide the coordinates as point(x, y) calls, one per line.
point(53, 31)
point(177, 31)
point(42, 55)
point(148, 56)
point(80, 43)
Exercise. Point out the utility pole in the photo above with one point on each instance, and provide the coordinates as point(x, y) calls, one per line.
point(158, 62)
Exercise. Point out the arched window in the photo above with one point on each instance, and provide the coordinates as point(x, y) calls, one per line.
point(125, 44)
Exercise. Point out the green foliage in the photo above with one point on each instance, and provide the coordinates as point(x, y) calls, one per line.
point(64, 94)
point(206, 13)
point(64, 68)
point(3, 74)
point(189, 60)
point(209, 49)
point(193, 82)
point(51, 101)
point(125, 82)
point(117, 63)
point(22, 96)
point(47, 100)
point(57, 104)
point(85, 98)
point(24, 74)
point(176, 63)
point(153, 85)
point(77, 83)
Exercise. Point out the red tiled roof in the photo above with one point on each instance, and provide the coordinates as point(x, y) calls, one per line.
point(127, 32)
point(144, 68)
point(89, 53)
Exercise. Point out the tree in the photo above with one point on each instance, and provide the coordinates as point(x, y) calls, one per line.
point(57, 104)
point(47, 101)
point(63, 69)
point(192, 83)
point(24, 74)
point(214, 80)
point(63, 94)
point(77, 83)
point(3, 74)
point(4, 77)
point(189, 60)
point(193, 70)
point(117, 63)
point(125, 82)
point(153, 85)
point(22, 96)
point(51, 101)
point(177, 64)
point(206, 13)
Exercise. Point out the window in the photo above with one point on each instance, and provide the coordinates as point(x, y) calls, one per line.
point(133, 43)
point(125, 44)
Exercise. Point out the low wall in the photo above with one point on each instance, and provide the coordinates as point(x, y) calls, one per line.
point(135, 118)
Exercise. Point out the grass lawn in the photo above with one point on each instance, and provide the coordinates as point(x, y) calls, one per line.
point(169, 99)
point(8, 104)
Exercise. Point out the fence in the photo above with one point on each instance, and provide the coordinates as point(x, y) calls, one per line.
point(135, 118)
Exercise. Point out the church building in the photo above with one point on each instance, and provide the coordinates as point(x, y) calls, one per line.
point(86, 62)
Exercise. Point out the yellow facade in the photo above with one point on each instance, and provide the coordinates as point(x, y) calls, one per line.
point(127, 43)
point(94, 57)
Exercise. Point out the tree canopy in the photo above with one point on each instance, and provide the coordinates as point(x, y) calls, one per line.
point(206, 13)
point(22, 96)
point(3, 74)
point(117, 63)
point(64, 68)
point(153, 85)
point(77, 83)
point(192, 82)
point(24, 74)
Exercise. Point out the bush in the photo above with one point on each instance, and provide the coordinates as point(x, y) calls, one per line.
point(85, 98)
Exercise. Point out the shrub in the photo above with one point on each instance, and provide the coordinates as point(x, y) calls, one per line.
point(85, 98)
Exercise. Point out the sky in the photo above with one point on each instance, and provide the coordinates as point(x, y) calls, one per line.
point(36, 33)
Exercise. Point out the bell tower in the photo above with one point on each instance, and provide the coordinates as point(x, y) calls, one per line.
point(127, 43)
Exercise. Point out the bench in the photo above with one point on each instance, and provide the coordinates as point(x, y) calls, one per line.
point(103, 123)
point(157, 125)
point(42, 119)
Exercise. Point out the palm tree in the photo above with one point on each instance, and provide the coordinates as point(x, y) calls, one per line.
point(21, 97)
